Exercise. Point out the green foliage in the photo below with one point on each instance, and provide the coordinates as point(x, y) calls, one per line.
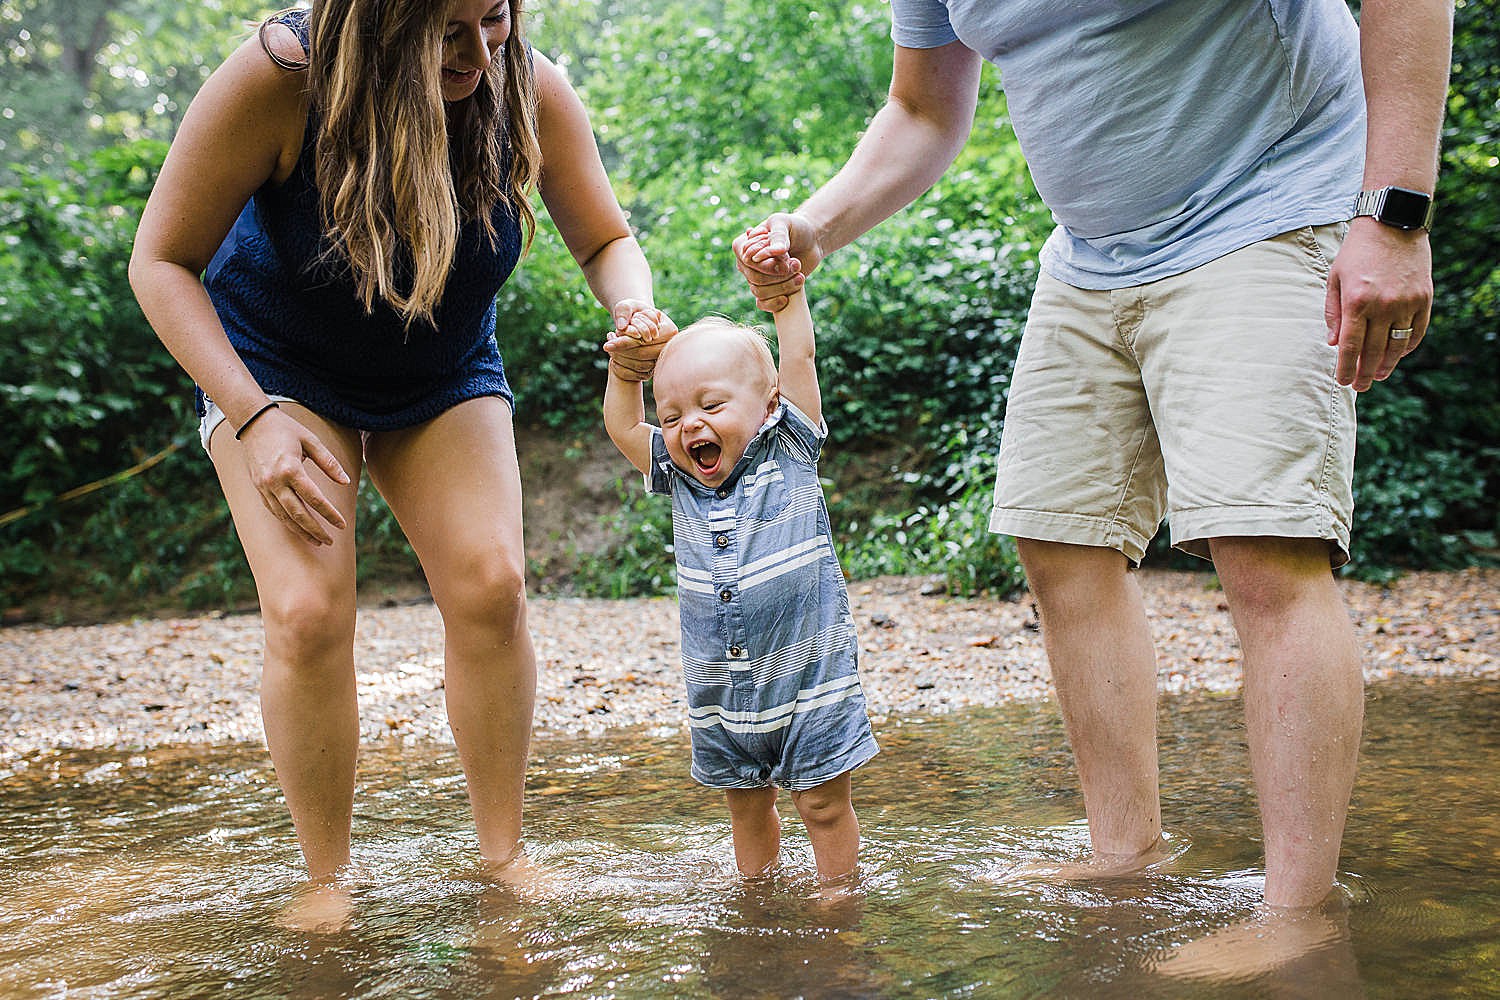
point(636, 558)
point(85, 388)
point(1427, 473)
point(673, 86)
point(710, 115)
point(80, 74)
point(1416, 501)
point(948, 536)
point(550, 331)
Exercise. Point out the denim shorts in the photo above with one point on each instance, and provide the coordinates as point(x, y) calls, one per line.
point(1207, 397)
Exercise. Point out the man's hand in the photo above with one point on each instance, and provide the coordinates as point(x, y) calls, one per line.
point(1380, 281)
point(641, 331)
point(776, 256)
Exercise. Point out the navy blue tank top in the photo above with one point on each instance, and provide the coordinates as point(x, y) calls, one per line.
point(292, 313)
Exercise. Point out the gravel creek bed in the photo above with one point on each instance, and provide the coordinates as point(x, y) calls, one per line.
point(606, 664)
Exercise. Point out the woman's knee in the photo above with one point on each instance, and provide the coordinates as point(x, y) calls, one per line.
point(486, 586)
point(305, 623)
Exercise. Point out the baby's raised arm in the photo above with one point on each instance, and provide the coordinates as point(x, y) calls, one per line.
point(625, 419)
point(624, 397)
point(795, 341)
point(797, 351)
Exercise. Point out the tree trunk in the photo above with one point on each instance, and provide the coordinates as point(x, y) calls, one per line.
point(80, 55)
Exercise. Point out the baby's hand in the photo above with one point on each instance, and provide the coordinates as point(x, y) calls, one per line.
point(639, 322)
point(752, 249)
point(641, 331)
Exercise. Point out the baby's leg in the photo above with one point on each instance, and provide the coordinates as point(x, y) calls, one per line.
point(828, 813)
point(756, 828)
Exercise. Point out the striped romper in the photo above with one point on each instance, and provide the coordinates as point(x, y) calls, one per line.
point(768, 644)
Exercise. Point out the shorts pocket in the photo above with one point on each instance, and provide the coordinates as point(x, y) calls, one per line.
point(1308, 241)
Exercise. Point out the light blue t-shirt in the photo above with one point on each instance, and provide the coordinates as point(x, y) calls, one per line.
point(1165, 133)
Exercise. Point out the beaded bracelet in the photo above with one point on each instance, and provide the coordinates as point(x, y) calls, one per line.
point(270, 405)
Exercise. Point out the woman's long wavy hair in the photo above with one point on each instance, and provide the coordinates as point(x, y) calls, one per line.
point(395, 179)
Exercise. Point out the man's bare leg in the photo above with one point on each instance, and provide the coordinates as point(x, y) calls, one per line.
point(1304, 705)
point(1104, 668)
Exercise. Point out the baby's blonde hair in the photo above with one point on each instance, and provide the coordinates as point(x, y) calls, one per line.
point(752, 340)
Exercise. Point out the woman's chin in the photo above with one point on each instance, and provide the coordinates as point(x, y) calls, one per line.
point(456, 88)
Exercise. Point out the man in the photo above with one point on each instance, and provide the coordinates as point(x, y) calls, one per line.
point(1203, 162)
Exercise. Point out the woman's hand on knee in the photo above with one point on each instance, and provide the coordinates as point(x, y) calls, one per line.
point(277, 447)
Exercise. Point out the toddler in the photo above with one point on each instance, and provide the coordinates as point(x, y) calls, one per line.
point(768, 643)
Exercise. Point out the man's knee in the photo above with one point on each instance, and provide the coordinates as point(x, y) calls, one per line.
point(1056, 568)
point(1271, 575)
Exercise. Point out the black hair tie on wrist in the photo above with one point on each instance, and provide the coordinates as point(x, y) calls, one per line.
point(270, 405)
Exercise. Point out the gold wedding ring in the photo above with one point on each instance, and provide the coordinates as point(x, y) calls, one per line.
point(1400, 333)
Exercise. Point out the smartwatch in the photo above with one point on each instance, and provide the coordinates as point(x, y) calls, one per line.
point(1400, 207)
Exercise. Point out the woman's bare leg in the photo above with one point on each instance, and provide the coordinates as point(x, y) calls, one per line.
point(455, 486)
point(307, 684)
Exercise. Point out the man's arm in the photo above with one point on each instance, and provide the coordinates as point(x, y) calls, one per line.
point(1382, 278)
point(909, 144)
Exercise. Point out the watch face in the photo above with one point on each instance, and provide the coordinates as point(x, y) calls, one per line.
point(1403, 208)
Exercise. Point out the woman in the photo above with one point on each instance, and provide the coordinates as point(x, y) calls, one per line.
point(386, 150)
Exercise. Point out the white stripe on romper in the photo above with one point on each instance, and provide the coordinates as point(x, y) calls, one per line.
point(834, 691)
point(779, 663)
point(778, 563)
point(695, 580)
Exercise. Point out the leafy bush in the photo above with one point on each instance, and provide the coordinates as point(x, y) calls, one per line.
point(948, 535)
point(637, 558)
point(710, 117)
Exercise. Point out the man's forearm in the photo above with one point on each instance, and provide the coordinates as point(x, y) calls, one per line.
point(1405, 52)
point(909, 144)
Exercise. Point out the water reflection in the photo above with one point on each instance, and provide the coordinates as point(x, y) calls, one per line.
point(165, 874)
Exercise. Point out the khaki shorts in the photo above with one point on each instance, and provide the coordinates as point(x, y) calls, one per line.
point(1207, 397)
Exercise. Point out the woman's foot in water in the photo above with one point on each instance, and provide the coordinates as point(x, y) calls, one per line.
point(520, 874)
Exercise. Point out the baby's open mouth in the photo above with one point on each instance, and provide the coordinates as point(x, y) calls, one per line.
point(705, 456)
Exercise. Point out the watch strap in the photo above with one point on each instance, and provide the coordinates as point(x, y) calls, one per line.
point(1400, 207)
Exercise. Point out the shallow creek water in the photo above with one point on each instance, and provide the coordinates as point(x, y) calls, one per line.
point(161, 873)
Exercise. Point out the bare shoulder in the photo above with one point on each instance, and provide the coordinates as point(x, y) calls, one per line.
point(552, 86)
point(271, 74)
point(255, 101)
